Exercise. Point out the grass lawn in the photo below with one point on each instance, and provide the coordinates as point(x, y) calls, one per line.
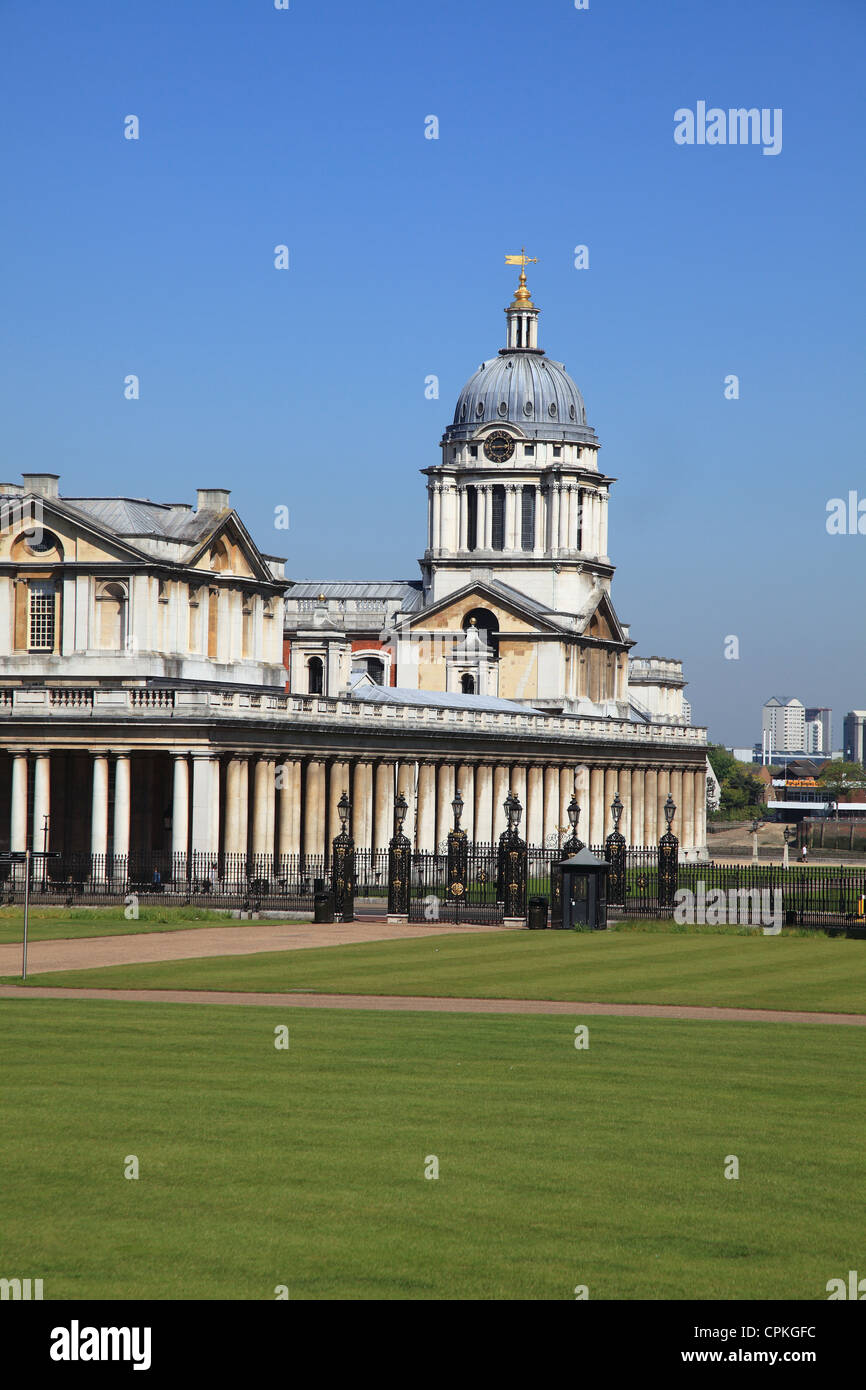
point(305, 1167)
point(751, 971)
point(71, 923)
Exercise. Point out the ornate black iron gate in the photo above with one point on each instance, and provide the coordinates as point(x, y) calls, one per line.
point(432, 897)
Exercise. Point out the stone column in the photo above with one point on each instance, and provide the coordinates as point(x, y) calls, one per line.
point(510, 514)
point(215, 767)
point(535, 805)
point(676, 782)
point(362, 804)
point(466, 784)
point(551, 805)
point(488, 516)
point(41, 802)
point(540, 521)
point(426, 806)
point(650, 812)
point(582, 785)
point(611, 787)
point(202, 791)
point(339, 781)
point(99, 806)
point(564, 514)
point(624, 788)
point(18, 824)
point(406, 785)
point(596, 807)
point(663, 786)
point(444, 797)
point(637, 807)
point(383, 816)
point(688, 809)
point(122, 787)
point(464, 518)
point(314, 807)
point(480, 517)
point(437, 516)
point(263, 807)
point(701, 809)
point(180, 809)
point(501, 788)
point(553, 508)
point(518, 786)
point(290, 807)
point(566, 790)
point(483, 803)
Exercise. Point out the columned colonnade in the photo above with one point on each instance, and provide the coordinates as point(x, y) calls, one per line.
point(288, 805)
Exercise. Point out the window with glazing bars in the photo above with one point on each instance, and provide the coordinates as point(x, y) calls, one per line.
point(41, 617)
point(498, 527)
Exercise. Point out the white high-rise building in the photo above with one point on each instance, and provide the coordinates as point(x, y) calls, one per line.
point(783, 726)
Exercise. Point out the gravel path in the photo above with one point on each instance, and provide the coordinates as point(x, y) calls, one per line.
point(419, 1004)
point(90, 952)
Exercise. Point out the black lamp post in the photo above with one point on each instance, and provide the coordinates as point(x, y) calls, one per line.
point(669, 854)
point(457, 847)
point(511, 885)
point(573, 844)
point(615, 854)
point(457, 808)
point(343, 864)
point(399, 862)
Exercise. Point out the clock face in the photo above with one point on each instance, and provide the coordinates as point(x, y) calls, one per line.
point(499, 446)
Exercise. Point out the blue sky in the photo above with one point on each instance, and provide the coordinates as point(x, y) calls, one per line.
point(305, 387)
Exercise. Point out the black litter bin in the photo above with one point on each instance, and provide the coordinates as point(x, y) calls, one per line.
point(536, 918)
point(323, 908)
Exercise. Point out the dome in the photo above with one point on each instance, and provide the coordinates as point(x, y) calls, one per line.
point(526, 389)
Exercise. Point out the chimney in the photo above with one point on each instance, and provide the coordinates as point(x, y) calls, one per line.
point(213, 499)
point(11, 490)
point(43, 484)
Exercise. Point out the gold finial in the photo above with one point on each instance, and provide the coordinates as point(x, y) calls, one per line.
point(521, 294)
point(322, 598)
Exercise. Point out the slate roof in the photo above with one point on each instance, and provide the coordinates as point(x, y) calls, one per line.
point(406, 591)
point(398, 695)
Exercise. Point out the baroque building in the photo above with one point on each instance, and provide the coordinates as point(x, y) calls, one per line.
point(164, 688)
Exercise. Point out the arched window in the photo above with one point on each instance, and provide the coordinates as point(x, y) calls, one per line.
point(220, 559)
point(467, 684)
point(375, 670)
point(487, 625)
point(315, 676)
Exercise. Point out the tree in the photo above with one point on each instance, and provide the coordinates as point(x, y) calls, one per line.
point(743, 794)
point(839, 779)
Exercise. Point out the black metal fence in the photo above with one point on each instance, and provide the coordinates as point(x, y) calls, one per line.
point(812, 895)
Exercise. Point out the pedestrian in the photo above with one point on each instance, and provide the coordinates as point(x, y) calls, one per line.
point(803, 855)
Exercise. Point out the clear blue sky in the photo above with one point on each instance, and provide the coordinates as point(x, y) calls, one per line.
point(305, 388)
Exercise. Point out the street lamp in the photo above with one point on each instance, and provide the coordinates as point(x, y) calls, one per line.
point(401, 806)
point(617, 808)
point(669, 808)
point(344, 810)
point(457, 808)
point(513, 812)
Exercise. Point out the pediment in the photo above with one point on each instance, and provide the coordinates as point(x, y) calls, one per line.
point(511, 615)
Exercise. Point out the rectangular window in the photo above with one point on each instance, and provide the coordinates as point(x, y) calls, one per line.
point(471, 518)
point(473, 451)
point(498, 498)
point(529, 448)
point(557, 451)
point(41, 617)
point(527, 519)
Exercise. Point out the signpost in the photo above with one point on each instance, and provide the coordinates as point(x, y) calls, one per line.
point(24, 856)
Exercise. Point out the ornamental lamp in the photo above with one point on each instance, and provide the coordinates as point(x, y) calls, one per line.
point(401, 806)
point(573, 814)
point(513, 811)
point(670, 810)
point(617, 808)
point(344, 810)
point(457, 808)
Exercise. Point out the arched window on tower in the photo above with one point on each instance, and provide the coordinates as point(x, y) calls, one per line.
point(498, 517)
point(467, 684)
point(527, 518)
point(471, 518)
point(315, 676)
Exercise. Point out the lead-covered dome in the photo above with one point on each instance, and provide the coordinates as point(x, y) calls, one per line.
point(523, 388)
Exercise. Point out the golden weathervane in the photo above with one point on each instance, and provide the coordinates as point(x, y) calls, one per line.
point(521, 294)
